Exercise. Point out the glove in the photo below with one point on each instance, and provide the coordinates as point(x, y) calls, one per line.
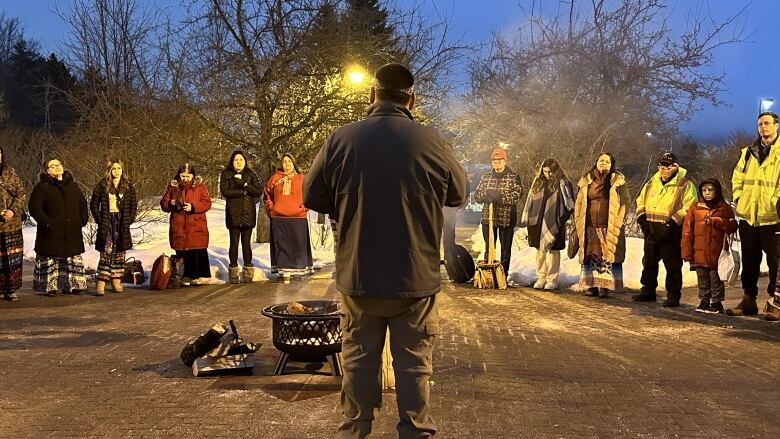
point(238, 176)
point(644, 226)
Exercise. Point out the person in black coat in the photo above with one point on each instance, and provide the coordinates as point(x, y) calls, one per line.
point(240, 187)
point(113, 206)
point(60, 210)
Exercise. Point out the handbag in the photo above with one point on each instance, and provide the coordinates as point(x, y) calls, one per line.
point(573, 246)
point(602, 274)
point(134, 272)
point(728, 262)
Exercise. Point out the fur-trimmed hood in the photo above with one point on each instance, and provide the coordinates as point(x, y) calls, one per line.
point(196, 180)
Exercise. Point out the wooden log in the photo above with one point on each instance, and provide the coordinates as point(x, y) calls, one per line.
point(211, 366)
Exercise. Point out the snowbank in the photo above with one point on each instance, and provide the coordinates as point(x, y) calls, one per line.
point(522, 268)
point(218, 246)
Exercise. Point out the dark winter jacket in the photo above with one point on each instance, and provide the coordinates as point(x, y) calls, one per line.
point(187, 230)
point(240, 191)
point(705, 227)
point(60, 209)
point(509, 188)
point(13, 196)
point(127, 203)
point(386, 179)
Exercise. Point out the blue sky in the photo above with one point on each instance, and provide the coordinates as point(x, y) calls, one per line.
point(749, 67)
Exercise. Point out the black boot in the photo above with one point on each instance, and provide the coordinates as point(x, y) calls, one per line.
point(747, 307)
point(603, 292)
point(644, 296)
point(592, 292)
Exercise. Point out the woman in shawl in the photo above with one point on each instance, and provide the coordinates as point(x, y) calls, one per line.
point(14, 199)
point(549, 205)
point(290, 245)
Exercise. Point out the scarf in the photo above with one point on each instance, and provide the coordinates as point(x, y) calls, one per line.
point(286, 182)
point(556, 207)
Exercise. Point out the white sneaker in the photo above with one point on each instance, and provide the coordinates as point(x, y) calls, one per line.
point(539, 284)
point(550, 286)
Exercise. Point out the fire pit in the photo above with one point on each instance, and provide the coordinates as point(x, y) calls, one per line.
point(306, 331)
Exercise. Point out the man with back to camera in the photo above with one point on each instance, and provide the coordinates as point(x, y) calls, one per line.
point(385, 180)
point(755, 188)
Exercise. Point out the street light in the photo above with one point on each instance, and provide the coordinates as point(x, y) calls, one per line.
point(356, 76)
point(764, 104)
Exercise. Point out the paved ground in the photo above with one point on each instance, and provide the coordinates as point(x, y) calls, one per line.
point(510, 364)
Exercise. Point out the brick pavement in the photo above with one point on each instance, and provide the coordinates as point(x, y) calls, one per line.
point(509, 364)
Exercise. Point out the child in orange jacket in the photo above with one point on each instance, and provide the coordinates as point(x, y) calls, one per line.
point(704, 229)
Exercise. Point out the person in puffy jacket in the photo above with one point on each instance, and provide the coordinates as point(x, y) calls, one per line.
point(240, 187)
point(14, 198)
point(113, 205)
point(290, 244)
point(187, 200)
point(60, 210)
point(704, 229)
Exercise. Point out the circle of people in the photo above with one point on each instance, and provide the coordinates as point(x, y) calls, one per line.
point(61, 210)
point(678, 222)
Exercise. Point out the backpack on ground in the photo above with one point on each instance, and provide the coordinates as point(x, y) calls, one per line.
point(161, 273)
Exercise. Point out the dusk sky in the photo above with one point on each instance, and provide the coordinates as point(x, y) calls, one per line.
point(748, 66)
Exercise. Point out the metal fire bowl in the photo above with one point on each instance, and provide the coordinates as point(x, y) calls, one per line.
point(306, 337)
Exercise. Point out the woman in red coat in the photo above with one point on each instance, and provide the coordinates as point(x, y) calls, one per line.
point(187, 199)
point(290, 245)
point(704, 229)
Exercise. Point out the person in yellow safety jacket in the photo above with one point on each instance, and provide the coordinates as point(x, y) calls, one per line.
point(755, 187)
point(660, 210)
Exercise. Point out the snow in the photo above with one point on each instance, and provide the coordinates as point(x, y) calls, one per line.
point(522, 268)
point(218, 246)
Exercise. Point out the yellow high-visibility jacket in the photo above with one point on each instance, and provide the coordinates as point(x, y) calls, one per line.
point(755, 187)
point(660, 202)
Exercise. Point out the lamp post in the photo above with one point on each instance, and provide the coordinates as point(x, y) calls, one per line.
point(356, 76)
point(764, 104)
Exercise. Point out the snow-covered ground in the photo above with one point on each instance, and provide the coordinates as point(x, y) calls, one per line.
point(218, 247)
point(522, 268)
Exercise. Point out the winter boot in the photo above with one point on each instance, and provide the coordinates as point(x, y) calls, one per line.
point(747, 307)
point(592, 292)
point(644, 296)
point(233, 274)
point(116, 284)
point(11, 297)
point(248, 275)
point(539, 284)
point(603, 292)
point(100, 288)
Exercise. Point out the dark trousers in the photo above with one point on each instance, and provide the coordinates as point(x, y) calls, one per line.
point(413, 326)
point(245, 235)
point(196, 263)
point(505, 234)
point(710, 285)
point(754, 241)
point(669, 252)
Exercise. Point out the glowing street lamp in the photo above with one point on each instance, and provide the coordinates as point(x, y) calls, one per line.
point(356, 76)
point(764, 104)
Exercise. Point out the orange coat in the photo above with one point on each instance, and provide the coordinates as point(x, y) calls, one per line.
point(284, 205)
point(702, 240)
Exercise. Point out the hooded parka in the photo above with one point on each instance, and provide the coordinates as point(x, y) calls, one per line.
point(188, 230)
point(100, 208)
point(60, 210)
point(705, 227)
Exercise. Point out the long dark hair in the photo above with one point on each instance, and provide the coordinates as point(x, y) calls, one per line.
point(184, 167)
point(557, 175)
point(122, 186)
point(612, 168)
point(233, 156)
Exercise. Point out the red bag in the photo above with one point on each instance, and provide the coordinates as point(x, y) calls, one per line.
point(161, 273)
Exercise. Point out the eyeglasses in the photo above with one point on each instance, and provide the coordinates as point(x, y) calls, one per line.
point(496, 160)
point(667, 166)
point(55, 165)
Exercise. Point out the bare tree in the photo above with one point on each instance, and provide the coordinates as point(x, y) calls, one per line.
point(587, 76)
